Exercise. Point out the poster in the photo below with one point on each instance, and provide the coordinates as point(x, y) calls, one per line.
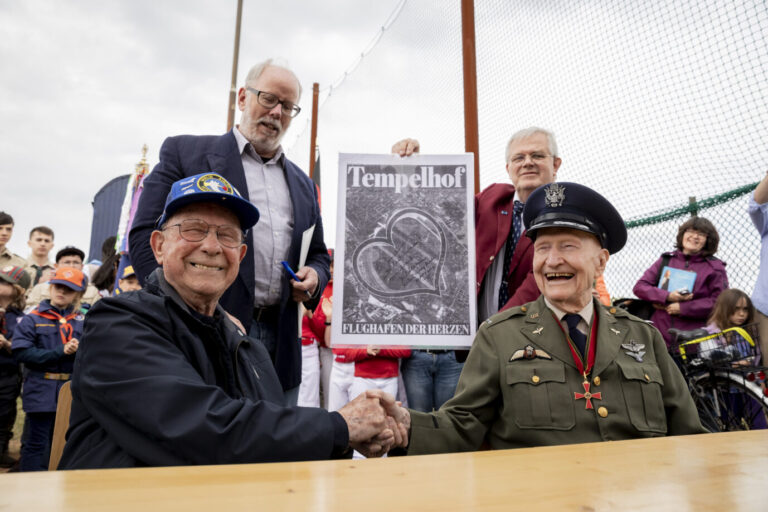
point(405, 236)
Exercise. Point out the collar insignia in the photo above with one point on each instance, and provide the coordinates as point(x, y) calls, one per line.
point(538, 330)
point(615, 331)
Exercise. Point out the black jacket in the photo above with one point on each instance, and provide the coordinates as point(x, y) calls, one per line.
point(187, 155)
point(156, 385)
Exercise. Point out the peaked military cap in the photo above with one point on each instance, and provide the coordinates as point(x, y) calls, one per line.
point(573, 206)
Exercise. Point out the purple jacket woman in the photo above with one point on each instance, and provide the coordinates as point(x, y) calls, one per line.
point(697, 241)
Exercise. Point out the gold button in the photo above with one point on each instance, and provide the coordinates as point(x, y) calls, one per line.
point(491, 259)
point(647, 378)
point(535, 379)
point(523, 309)
point(612, 311)
point(603, 412)
point(596, 380)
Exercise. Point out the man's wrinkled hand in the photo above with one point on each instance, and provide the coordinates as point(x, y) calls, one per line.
point(365, 419)
point(304, 289)
point(406, 147)
point(397, 413)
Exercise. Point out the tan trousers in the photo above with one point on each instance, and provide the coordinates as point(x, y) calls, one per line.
point(762, 327)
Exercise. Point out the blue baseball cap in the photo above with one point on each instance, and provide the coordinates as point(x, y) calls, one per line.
point(574, 206)
point(209, 187)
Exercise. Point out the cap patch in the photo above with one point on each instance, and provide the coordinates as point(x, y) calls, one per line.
point(214, 183)
point(554, 195)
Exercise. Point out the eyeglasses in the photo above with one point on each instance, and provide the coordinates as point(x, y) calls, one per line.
point(536, 157)
point(195, 230)
point(269, 100)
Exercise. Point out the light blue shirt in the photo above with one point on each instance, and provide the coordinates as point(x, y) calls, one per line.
point(759, 214)
point(268, 190)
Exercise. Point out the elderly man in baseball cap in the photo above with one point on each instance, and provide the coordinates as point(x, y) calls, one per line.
point(164, 377)
point(562, 369)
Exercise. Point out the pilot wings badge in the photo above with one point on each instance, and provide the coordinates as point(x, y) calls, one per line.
point(634, 349)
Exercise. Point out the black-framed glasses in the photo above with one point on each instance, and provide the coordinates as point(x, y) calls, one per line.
point(195, 230)
point(269, 100)
point(536, 157)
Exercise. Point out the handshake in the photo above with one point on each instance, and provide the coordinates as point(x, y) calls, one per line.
point(376, 423)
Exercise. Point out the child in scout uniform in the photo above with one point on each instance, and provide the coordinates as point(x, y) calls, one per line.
point(126, 277)
point(14, 282)
point(46, 341)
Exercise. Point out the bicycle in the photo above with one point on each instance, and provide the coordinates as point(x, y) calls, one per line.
point(725, 377)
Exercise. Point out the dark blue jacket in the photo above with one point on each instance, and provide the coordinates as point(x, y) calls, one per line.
point(155, 385)
point(37, 343)
point(187, 155)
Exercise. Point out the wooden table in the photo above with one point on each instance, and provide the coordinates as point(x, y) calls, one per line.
point(706, 472)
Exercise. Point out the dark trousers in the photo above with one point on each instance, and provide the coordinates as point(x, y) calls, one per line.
point(10, 386)
point(36, 449)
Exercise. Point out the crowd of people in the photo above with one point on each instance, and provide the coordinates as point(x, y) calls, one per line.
point(188, 350)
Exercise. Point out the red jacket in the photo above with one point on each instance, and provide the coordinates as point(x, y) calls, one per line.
point(493, 221)
point(384, 365)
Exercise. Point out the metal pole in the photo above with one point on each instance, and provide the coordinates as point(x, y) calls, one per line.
point(232, 89)
point(313, 133)
point(471, 136)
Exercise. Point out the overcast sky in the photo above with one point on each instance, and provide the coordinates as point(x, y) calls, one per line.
point(651, 102)
point(86, 83)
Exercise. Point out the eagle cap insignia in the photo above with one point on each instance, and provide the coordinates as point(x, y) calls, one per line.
point(213, 183)
point(554, 195)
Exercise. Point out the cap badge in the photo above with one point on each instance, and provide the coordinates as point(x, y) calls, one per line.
point(68, 274)
point(213, 183)
point(554, 195)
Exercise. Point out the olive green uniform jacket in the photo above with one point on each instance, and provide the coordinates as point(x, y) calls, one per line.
point(531, 402)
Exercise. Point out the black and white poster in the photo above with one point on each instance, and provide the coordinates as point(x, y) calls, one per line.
point(405, 252)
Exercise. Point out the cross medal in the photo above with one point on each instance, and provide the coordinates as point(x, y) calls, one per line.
point(586, 394)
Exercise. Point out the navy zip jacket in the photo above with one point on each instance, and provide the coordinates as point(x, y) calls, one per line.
point(156, 384)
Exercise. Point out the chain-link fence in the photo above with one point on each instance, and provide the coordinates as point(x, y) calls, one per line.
point(652, 103)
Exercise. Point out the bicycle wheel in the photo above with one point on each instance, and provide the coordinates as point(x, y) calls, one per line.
point(727, 401)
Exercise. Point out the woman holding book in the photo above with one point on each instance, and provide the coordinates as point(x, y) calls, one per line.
point(700, 277)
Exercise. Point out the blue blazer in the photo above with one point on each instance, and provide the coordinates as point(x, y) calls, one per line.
point(187, 155)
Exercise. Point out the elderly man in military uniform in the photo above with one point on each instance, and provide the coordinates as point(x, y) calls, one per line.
point(562, 369)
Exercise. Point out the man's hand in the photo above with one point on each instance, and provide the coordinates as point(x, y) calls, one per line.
point(306, 288)
point(372, 351)
point(70, 347)
point(367, 424)
point(674, 308)
point(395, 412)
point(406, 147)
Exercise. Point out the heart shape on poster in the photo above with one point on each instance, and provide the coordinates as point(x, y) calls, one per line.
point(407, 261)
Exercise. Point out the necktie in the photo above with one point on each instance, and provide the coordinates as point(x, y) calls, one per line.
point(577, 337)
point(512, 238)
